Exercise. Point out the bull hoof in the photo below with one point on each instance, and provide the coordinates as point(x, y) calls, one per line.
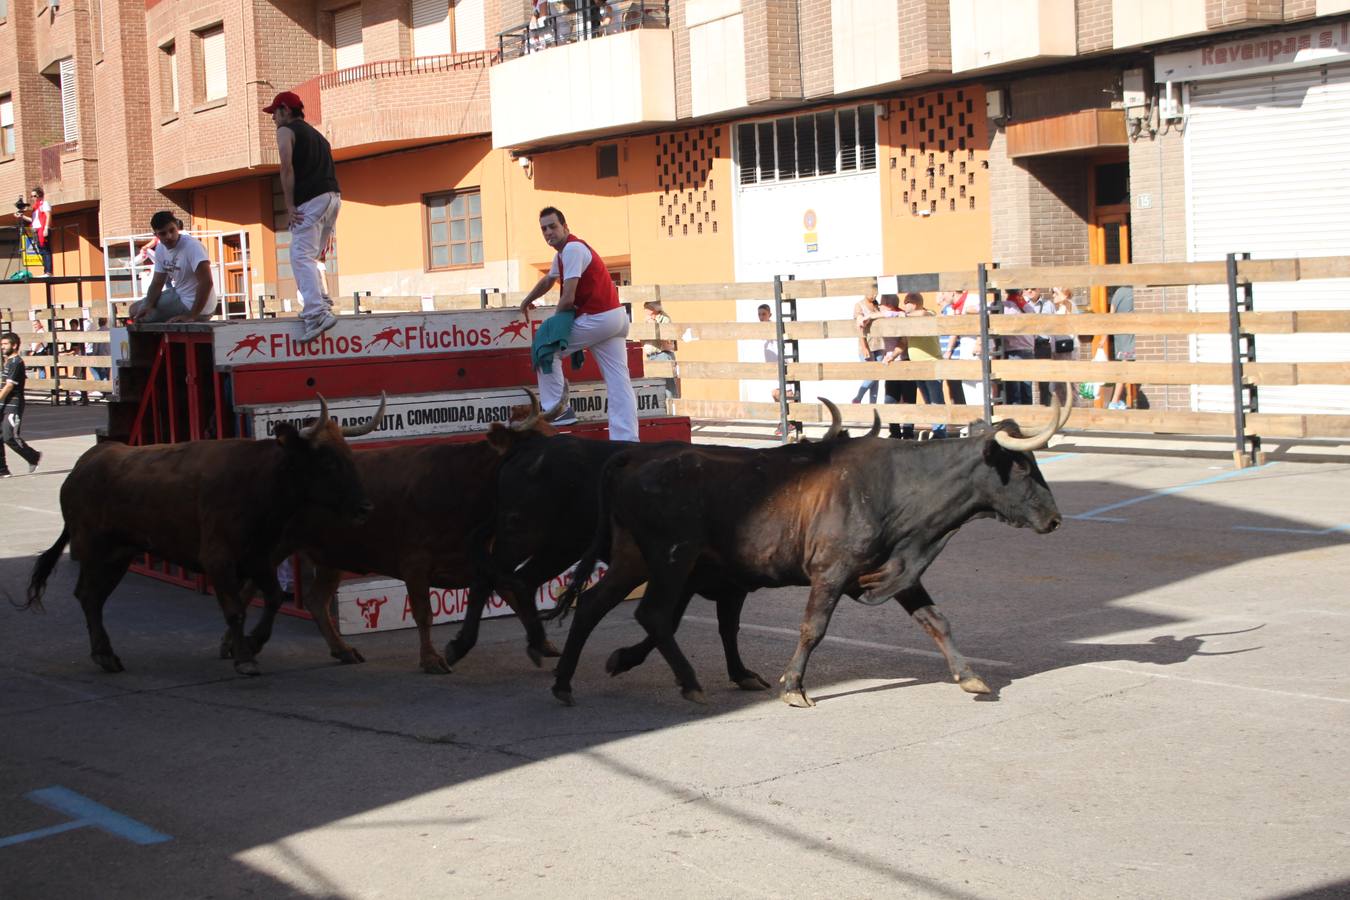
point(453, 654)
point(694, 695)
point(247, 667)
point(616, 664)
point(109, 662)
point(751, 682)
point(257, 642)
point(974, 684)
point(564, 696)
point(348, 656)
point(798, 699)
point(535, 656)
point(226, 646)
point(435, 665)
point(548, 649)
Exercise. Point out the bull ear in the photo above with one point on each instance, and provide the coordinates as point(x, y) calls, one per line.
point(500, 437)
point(290, 438)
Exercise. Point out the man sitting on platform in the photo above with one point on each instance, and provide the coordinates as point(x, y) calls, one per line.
point(181, 261)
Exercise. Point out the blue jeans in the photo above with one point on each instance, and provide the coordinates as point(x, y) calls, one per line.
point(1018, 393)
point(869, 387)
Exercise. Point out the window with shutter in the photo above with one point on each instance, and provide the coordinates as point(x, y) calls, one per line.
point(470, 20)
point(7, 125)
point(168, 78)
point(70, 104)
point(348, 49)
point(213, 63)
point(431, 28)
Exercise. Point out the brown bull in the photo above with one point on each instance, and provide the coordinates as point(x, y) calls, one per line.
point(434, 508)
point(226, 508)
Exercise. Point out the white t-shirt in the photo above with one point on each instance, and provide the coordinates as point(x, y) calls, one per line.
point(180, 263)
point(576, 259)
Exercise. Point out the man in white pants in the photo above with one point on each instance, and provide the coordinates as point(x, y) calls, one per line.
point(309, 182)
point(600, 326)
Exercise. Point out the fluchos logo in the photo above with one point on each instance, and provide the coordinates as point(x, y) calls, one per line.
point(252, 343)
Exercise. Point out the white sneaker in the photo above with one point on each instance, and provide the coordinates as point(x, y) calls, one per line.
point(1119, 404)
point(567, 417)
point(318, 327)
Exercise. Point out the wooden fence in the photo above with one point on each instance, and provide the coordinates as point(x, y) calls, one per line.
point(58, 340)
point(791, 297)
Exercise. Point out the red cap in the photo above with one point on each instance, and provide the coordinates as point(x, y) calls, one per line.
point(288, 99)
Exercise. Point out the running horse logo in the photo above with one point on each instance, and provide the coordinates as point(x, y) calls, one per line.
point(370, 610)
point(253, 342)
point(515, 329)
point(390, 337)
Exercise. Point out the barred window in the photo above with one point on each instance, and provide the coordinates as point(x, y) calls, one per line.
point(806, 146)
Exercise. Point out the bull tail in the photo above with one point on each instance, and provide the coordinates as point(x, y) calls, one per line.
point(43, 570)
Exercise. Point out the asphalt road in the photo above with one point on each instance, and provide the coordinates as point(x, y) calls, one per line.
point(1171, 720)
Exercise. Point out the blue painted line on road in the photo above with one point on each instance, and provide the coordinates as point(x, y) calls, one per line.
point(1316, 532)
point(1165, 492)
point(85, 813)
point(1055, 458)
point(40, 833)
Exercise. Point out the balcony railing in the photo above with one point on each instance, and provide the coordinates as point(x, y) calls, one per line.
point(571, 21)
point(418, 65)
point(49, 159)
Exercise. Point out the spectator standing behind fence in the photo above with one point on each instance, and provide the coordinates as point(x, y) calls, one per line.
point(12, 378)
point(969, 348)
point(1036, 303)
point(1122, 301)
point(1017, 346)
point(897, 390)
point(922, 348)
point(950, 300)
point(870, 349)
point(1063, 346)
point(309, 183)
point(41, 224)
point(663, 349)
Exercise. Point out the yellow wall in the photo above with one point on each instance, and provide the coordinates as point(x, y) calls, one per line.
point(241, 206)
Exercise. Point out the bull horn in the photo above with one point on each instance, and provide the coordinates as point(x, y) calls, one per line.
point(310, 430)
point(1068, 405)
point(836, 420)
point(556, 410)
point(359, 430)
point(530, 420)
point(876, 425)
point(1037, 440)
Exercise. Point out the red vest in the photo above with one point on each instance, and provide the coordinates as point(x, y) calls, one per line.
point(596, 292)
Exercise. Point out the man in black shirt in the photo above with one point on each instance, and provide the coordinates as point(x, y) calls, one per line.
point(309, 182)
point(12, 378)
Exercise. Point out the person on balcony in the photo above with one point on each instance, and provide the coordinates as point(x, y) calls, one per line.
point(599, 324)
point(41, 223)
point(309, 182)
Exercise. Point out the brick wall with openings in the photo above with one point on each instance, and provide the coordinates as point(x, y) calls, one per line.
point(1232, 13)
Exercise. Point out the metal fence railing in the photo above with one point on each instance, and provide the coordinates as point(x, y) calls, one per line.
point(570, 21)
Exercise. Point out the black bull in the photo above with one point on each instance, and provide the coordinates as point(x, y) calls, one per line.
point(863, 517)
point(227, 508)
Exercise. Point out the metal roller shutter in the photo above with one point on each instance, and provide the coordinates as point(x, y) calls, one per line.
point(470, 26)
point(348, 51)
point(431, 28)
point(1265, 163)
point(213, 62)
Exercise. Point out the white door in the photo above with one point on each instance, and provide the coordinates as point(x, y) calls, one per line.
point(1265, 173)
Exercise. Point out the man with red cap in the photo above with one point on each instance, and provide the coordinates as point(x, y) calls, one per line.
point(309, 182)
